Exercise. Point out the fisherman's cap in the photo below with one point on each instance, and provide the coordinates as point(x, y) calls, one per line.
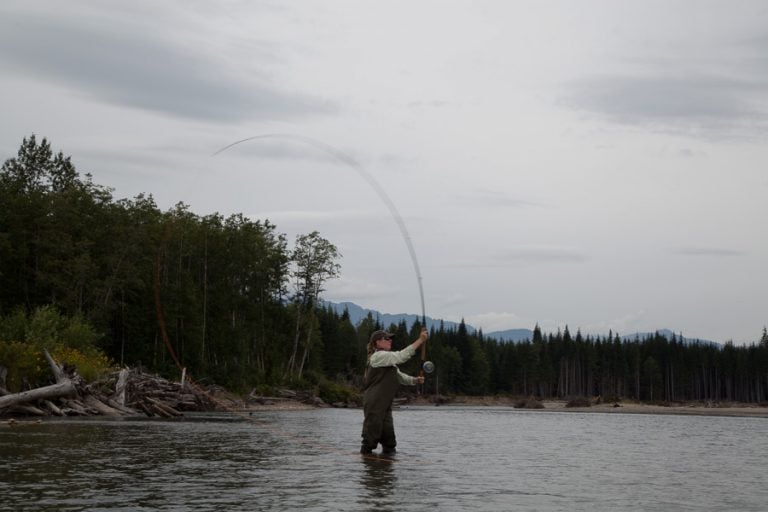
point(381, 335)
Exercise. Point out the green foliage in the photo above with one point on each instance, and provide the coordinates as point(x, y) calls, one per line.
point(91, 364)
point(25, 364)
point(82, 272)
point(336, 392)
point(79, 334)
point(70, 341)
point(44, 326)
point(14, 325)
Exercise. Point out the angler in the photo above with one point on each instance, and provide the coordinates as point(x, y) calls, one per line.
point(382, 380)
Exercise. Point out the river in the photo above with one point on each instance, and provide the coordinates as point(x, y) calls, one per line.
point(450, 458)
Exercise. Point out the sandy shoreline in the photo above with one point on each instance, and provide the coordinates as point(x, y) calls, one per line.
point(628, 407)
point(624, 407)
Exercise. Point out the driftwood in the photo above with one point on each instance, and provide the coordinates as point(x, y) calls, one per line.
point(64, 387)
point(122, 381)
point(126, 392)
point(28, 410)
point(129, 392)
point(56, 411)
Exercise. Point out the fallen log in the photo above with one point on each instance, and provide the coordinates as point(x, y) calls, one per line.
point(58, 390)
point(124, 392)
point(28, 410)
point(63, 387)
point(145, 409)
point(76, 407)
point(101, 407)
point(123, 408)
point(167, 409)
point(52, 407)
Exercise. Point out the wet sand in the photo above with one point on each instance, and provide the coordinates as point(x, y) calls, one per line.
point(623, 407)
point(629, 407)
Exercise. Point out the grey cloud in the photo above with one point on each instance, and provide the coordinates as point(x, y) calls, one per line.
point(721, 91)
point(127, 67)
point(283, 149)
point(428, 104)
point(707, 251)
point(526, 254)
point(685, 102)
point(492, 198)
point(545, 254)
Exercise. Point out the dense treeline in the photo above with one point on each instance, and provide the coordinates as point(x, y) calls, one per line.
point(229, 300)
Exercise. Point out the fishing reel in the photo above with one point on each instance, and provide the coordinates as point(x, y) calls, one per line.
point(428, 366)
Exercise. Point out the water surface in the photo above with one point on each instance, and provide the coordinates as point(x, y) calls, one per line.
point(450, 458)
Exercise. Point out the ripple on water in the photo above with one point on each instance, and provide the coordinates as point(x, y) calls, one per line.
point(449, 459)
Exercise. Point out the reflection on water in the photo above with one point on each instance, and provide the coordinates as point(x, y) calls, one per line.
point(450, 458)
point(378, 480)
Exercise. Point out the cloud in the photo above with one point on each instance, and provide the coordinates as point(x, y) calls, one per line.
point(707, 251)
point(495, 321)
point(310, 216)
point(644, 98)
point(280, 148)
point(533, 254)
point(492, 198)
point(722, 93)
point(428, 104)
point(544, 254)
point(697, 105)
point(629, 323)
point(358, 291)
point(142, 69)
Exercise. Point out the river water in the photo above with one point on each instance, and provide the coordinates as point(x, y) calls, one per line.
point(450, 458)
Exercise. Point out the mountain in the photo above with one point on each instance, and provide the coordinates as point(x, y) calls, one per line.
point(357, 314)
point(667, 334)
point(510, 335)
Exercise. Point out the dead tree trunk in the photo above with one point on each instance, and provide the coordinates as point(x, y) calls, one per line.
point(120, 387)
point(63, 387)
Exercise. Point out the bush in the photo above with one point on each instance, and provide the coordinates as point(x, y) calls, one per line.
point(91, 364)
point(14, 326)
point(79, 334)
point(25, 363)
point(332, 392)
point(70, 341)
point(46, 327)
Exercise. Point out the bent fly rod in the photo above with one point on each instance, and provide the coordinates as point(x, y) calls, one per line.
point(427, 366)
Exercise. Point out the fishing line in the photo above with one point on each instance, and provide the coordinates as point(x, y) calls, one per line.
point(357, 167)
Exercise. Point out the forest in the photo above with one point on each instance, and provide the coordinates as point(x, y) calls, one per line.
point(105, 282)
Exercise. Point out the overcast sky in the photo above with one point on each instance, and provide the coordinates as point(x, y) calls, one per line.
point(596, 164)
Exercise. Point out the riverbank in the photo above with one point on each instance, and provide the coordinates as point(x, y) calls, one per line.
point(624, 407)
point(734, 409)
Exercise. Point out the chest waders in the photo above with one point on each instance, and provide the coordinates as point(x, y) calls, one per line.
point(380, 387)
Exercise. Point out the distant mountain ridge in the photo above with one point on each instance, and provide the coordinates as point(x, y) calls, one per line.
point(358, 313)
